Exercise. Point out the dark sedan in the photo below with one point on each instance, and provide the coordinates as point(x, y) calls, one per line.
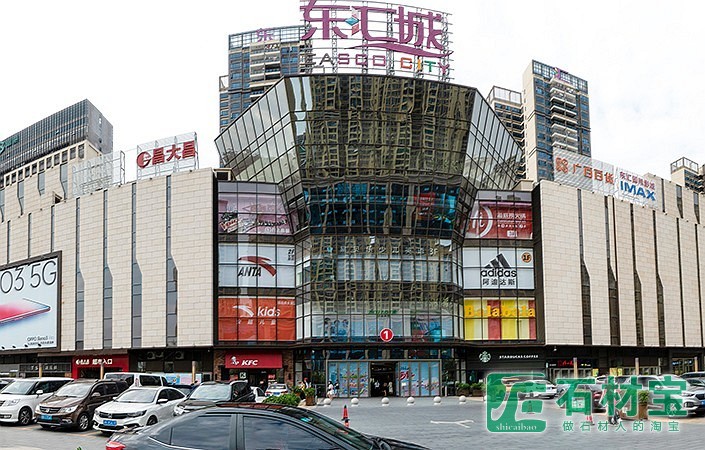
point(252, 426)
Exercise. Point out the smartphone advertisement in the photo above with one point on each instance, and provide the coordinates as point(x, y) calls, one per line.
point(29, 292)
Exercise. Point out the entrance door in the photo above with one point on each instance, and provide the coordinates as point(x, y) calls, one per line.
point(383, 379)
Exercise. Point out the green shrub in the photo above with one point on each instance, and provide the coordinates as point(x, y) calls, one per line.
point(644, 397)
point(464, 387)
point(478, 387)
point(284, 399)
point(310, 392)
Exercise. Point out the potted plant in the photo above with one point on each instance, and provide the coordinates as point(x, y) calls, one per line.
point(310, 395)
point(478, 389)
point(463, 389)
point(643, 403)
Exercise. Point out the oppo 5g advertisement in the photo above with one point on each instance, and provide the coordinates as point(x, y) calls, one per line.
point(29, 292)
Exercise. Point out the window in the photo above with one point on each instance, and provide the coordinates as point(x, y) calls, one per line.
point(101, 389)
point(263, 434)
point(174, 394)
point(206, 432)
point(164, 394)
point(41, 182)
point(149, 380)
point(112, 388)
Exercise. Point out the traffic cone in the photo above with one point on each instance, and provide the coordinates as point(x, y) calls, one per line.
point(589, 419)
point(345, 419)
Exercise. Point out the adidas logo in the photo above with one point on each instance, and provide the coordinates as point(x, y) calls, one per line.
point(498, 267)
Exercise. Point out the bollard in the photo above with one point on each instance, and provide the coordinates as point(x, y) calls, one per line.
point(354, 402)
point(462, 399)
point(385, 401)
point(410, 401)
point(436, 401)
point(326, 402)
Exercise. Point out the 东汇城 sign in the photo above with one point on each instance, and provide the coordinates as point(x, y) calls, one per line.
point(378, 38)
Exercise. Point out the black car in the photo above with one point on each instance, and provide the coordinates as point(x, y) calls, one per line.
point(249, 426)
point(213, 392)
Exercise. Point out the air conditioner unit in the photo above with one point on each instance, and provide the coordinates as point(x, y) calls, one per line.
point(179, 355)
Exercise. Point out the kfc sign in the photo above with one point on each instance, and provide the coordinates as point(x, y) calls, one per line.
point(161, 155)
point(250, 360)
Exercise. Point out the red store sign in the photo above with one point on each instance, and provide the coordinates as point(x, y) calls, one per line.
point(121, 362)
point(183, 150)
point(251, 360)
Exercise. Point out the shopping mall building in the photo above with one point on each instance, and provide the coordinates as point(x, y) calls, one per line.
point(364, 228)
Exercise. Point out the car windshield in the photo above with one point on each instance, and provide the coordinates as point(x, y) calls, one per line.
point(212, 392)
point(19, 387)
point(77, 390)
point(137, 396)
point(331, 427)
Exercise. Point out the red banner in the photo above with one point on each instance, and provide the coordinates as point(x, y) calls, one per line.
point(256, 319)
point(249, 360)
point(500, 220)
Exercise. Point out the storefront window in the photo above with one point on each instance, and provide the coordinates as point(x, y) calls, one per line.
point(419, 378)
point(351, 377)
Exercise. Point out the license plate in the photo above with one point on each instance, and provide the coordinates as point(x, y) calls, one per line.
point(45, 417)
point(110, 423)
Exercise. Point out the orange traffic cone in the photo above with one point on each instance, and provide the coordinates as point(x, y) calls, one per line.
point(589, 419)
point(345, 418)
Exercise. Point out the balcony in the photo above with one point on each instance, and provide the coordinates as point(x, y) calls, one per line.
point(558, 116)
point(563, 110)
point(567, 99)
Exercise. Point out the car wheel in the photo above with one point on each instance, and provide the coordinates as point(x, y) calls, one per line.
point(151, 421)
point(83, 422)
point(25, 416)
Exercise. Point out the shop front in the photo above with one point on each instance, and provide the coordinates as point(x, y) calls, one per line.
point(386, 378)
point(259, 368)
point(483, 361)
point(90, 366)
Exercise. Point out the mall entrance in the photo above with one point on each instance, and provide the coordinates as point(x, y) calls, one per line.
point(383, 379)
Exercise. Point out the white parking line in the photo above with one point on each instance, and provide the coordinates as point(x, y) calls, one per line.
point(459, 422)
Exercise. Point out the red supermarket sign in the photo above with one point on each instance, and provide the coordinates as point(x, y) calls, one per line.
point(171, 153)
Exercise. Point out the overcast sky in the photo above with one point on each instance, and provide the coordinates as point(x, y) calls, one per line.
point(152, 67)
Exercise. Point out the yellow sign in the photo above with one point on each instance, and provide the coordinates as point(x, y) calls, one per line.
point(500, 309)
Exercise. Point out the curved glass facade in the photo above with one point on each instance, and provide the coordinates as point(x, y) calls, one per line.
point(380, 173)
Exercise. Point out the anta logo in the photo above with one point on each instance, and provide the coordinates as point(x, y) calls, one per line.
point(498, 267)
point(260, 262)
point(633, 189)
point(243, 362)
point(262, 311)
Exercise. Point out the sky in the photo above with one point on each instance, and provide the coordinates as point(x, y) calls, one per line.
point(152, 67)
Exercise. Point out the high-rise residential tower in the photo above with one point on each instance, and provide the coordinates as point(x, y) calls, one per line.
point(687, 173)
point(256, 60)
point(508, 107)
point(556, 117)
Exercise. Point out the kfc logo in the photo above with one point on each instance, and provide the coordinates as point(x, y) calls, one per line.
point(243, 362)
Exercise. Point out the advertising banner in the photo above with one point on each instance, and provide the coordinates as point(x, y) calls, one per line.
point(583, 172)
point(500, 319)
point(498, 268)
point(29, 304)
point(252, 214)
point(263, 265)
point(167, 155)
point(256, 319)
point(636, 189)
point(500, 220)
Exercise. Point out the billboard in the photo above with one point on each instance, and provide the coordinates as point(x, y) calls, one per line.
point(583, 172)
point(376, 37)
point(498, 268)
point(256, 319)
point(256, 265)
point(500, 220)
point(252, 214)
point(167, 155)
point(636, 189)
point(29, 304)
point(500, 319)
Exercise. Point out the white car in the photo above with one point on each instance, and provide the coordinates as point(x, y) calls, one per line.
point(276, 389)
point(548, 391)
point(19, 399)
point(259, 394)
point(136, 407)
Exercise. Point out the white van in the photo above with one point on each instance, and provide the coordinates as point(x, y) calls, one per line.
point(137, 379)
point(19, 399)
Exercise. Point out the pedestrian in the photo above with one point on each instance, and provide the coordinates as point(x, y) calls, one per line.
point(384, 388)
point(331, 390)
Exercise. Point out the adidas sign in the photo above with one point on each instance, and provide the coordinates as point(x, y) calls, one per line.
point(499, 272)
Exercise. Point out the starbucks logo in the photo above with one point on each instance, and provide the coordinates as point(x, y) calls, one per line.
point(485, 357)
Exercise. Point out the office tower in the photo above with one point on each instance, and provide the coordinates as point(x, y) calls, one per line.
point(556, 117)
point(256, 60)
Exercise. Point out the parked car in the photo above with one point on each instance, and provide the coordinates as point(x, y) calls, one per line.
point(213, 392)
point(184, 388)
point(689, 375)
point(257, 426)
point(593, 390)
point(538, 389)
point(137, 407)
point(137, 379)
point(4, 382)
point(277, 389)
point(694, 399)
point(19, 399)
point(259, 394)
point(73, 405)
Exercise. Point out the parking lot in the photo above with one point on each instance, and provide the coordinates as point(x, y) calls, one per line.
point(449, 425)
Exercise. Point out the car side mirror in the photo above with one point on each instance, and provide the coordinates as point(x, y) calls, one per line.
point(95, 394)
point(161, 401)
point(40, 392)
